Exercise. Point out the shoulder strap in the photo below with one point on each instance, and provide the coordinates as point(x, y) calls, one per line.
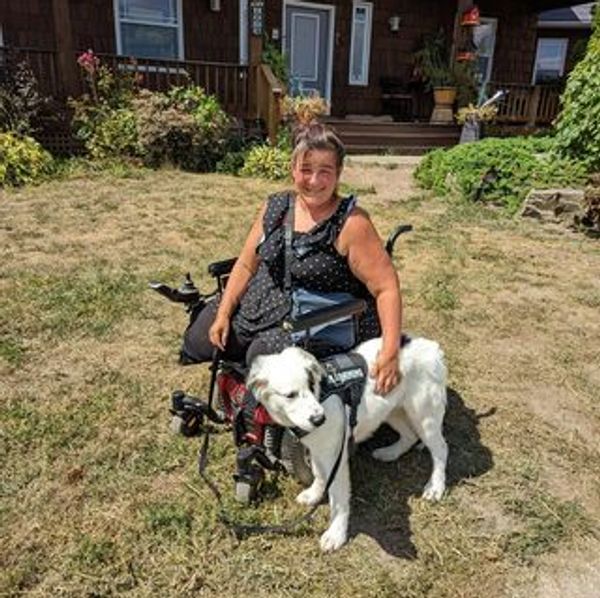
point(287, 254)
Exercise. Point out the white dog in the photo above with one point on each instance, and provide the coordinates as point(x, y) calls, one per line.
point(288, 385)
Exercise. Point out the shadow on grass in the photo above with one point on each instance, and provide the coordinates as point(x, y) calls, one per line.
point(381, 491)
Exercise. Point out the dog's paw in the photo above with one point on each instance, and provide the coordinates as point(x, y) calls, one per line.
point(386, 453)
point(311, 496)
point(434, 491)
point(332, 539)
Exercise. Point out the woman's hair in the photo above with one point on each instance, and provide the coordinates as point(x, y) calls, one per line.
point(315, 136)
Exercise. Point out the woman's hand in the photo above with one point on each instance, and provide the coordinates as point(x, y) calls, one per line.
point(219, 331)
point(386, 373)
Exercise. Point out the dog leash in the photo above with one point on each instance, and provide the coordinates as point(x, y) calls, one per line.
point(242, 530)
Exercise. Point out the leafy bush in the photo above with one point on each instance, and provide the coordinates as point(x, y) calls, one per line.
point(498, 170)
point(20, 101)
point(275, 58)
point(185, 127)
point(267, 162)
point(104, 118)
point(303, 109)
point(577, 127)
point(22, 160)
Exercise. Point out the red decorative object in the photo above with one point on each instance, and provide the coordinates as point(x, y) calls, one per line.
point(470, 16)
point(465, 56)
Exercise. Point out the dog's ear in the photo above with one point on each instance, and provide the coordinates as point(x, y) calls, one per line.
point(256, 380)
point(314, 369)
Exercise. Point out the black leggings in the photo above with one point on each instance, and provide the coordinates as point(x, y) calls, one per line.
point(241, 346)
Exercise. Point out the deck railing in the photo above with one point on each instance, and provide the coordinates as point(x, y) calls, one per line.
point(269, 92)
point(527, 104)
point(42, 63)
point(227, 81)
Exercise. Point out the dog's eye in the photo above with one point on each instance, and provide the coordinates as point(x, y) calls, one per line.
point(312, 384)
point(291, 395)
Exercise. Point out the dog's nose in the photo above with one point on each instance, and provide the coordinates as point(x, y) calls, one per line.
point(317, 420)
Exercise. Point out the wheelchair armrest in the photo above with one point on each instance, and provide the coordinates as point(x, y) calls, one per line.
point(324, 315)
point(221, 268)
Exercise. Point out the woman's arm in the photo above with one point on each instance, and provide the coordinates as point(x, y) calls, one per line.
point(370, 263)
point(244, 268)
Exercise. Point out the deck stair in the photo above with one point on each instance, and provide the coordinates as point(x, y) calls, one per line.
point(374, 136)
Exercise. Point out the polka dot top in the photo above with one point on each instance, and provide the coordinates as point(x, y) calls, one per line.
point(316, 265)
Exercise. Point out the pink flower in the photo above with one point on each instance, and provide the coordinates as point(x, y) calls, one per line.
point(89, 62)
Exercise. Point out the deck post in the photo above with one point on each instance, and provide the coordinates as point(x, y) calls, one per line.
point(256, 49)
point(534, 102)
point(65, 50)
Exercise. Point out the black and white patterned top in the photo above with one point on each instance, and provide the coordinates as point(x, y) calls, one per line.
point(316, 265)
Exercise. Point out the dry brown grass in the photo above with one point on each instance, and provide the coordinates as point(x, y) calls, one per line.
point(97, 498)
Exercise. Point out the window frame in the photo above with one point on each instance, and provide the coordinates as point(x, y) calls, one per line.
point(178, 26)
point(565, 47)
point(366, 58)
point(493, 21)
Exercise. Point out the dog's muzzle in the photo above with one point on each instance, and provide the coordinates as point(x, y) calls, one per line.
point(317, 420)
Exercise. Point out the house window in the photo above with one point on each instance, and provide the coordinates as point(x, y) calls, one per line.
point(149, 28)
point(360, 43)
point(484, 38)
point(550, 59)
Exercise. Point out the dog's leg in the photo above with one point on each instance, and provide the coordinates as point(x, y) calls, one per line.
point(314, 493)
point(323, 452)
point(408, 438)
point(430, 432)
point(339, 504)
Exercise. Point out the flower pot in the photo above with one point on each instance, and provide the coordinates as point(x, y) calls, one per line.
point(443, 98)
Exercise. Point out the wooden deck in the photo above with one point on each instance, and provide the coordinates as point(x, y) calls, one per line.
point(373, 136)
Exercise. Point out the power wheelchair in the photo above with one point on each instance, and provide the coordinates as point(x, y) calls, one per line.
point(261, 444)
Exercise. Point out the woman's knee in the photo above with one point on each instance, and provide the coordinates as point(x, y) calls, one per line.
point(196, 344)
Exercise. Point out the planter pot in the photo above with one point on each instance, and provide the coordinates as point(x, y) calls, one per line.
point(443, 111)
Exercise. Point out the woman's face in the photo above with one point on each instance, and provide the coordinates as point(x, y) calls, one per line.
point(316, 175)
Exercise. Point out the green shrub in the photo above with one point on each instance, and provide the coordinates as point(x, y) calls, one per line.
point(513, 167)
point(267, 162)
point(22, 160)
point(115, 135)
point(185, 127)
point(104, 118)
point(578, 125)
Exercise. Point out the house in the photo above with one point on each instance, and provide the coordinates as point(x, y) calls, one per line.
point(562, 36)
point(347, 50)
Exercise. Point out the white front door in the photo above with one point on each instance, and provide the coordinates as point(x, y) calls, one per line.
point(308, 46)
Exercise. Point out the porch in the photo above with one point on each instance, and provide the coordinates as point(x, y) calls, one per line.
point(252, 93)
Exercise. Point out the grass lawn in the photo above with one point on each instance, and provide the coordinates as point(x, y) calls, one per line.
point(98, 498)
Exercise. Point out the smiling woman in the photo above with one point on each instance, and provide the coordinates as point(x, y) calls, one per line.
point(309, 241)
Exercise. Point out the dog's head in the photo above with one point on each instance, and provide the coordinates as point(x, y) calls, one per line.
point(288, 385)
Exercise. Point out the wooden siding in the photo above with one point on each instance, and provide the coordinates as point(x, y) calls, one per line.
point(515, 39)
point(391, 53)
point(27, 23)
point(93, 25)
point(207, 35)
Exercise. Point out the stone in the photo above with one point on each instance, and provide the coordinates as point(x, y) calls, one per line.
point(564, 206)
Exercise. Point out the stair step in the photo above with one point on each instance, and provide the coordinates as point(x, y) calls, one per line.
point(397, 150)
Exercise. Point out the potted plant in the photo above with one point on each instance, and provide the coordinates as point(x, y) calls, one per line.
point(433, 65)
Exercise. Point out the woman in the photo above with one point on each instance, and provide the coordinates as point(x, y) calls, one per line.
point(334, 248)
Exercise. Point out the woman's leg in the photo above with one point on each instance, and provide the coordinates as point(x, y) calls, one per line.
point(273, 340)
point(197, 346)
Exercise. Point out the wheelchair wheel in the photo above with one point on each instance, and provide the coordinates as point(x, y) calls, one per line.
point(296, 458)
